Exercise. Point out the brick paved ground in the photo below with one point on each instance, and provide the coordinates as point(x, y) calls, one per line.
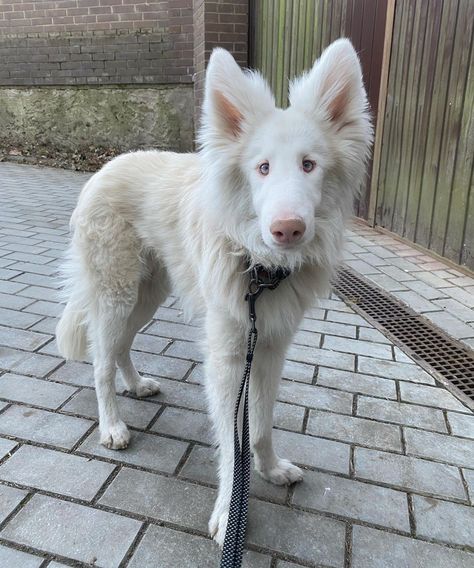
point(428, 285)
point(389, 455)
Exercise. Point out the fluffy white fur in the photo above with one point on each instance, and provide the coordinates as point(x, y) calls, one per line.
point(151, 222)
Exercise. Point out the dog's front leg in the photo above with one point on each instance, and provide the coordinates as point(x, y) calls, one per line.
point(264, 382)
point(224, 369)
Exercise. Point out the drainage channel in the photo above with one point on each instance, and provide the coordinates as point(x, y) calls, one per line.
point(448, 360)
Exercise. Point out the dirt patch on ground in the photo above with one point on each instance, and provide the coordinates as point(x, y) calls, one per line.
point(88, 159)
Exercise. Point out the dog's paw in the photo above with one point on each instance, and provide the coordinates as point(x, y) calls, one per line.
point(147, 387)
point(283, 473)
point(218, 523)
point(115, 437)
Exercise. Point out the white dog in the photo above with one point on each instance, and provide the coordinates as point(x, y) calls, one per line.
point(268, 186)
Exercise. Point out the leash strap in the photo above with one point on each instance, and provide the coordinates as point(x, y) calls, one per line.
point(260, 279)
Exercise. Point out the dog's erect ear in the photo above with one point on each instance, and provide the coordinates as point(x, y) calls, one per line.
point(334, 85)
point(233, 98)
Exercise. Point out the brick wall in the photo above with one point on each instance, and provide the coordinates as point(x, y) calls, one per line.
point(65, 42)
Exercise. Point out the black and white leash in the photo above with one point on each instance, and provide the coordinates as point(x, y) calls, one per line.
point(260, 279)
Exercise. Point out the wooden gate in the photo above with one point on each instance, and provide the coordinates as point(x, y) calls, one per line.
point(425, 179)
point(286, 36)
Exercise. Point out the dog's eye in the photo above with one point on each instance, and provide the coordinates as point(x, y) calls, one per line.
point(308, 165)
point(264, 168)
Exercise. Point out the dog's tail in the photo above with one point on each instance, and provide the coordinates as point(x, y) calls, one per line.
point(71, 331)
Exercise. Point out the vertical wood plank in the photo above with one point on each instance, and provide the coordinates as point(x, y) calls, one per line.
point(451, 128)
point(380, 116)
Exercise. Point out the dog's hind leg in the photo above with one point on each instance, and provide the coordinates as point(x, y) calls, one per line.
point(108, 323)
point(153, 290)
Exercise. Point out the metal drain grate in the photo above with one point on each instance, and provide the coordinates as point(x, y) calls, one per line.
point(430, 346)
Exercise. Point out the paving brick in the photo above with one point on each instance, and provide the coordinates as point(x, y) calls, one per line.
point(42, 426)
point(459, 451)
point(40, 293)
point(378, 549)
point(6, 446)
point(354, 430)
point(134, 412)
point(464, 296)
point(401, 356)
point(401, 413)
point(362, 267)
point(46, 325)
point(315, 397)
point(31, 279)
point(10, 498)
point(20, 320)
point(175, 548)
point(357, 382)
point(433, 279)
point(315, 313)
point(416, 302)
point(347, 318)
point(358, 347)
point(11, 558)
point(333, 304)
point(425, 290)
point(181, 394)
point(8, 273)
point(409, 473)
point(394, 370)
point(288, 416)
point(370, 334)
point(45, 308)
point(447, 522)
point(26, 363)
point(45, 523)
point(307, 537)
point(386, 282)
point(461, 424)
point(314, 452)
point(397, 274)
point(353, 499)
point(300, 372)
point(161, 498)
point(457, 309)
point(18, 267)
point(324, 357)
point(373, 259)
point(185, 350)
point(329, 327)
point(28, 340)
point(309, 338)
point(33, 391)
point(7, 287)
point(56, 472)
point(431, 396)
point(175, 331)
point(75, 373)
point(186, 424)
point(30, 258)
point(14, 302)
point(451, 325)
point(160, 366)
point(145, 450)
point(149, 343)
point(201, 465)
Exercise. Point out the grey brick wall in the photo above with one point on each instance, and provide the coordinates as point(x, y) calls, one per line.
point(66, 42)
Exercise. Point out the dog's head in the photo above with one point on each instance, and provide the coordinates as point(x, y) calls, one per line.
point(282, 182)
